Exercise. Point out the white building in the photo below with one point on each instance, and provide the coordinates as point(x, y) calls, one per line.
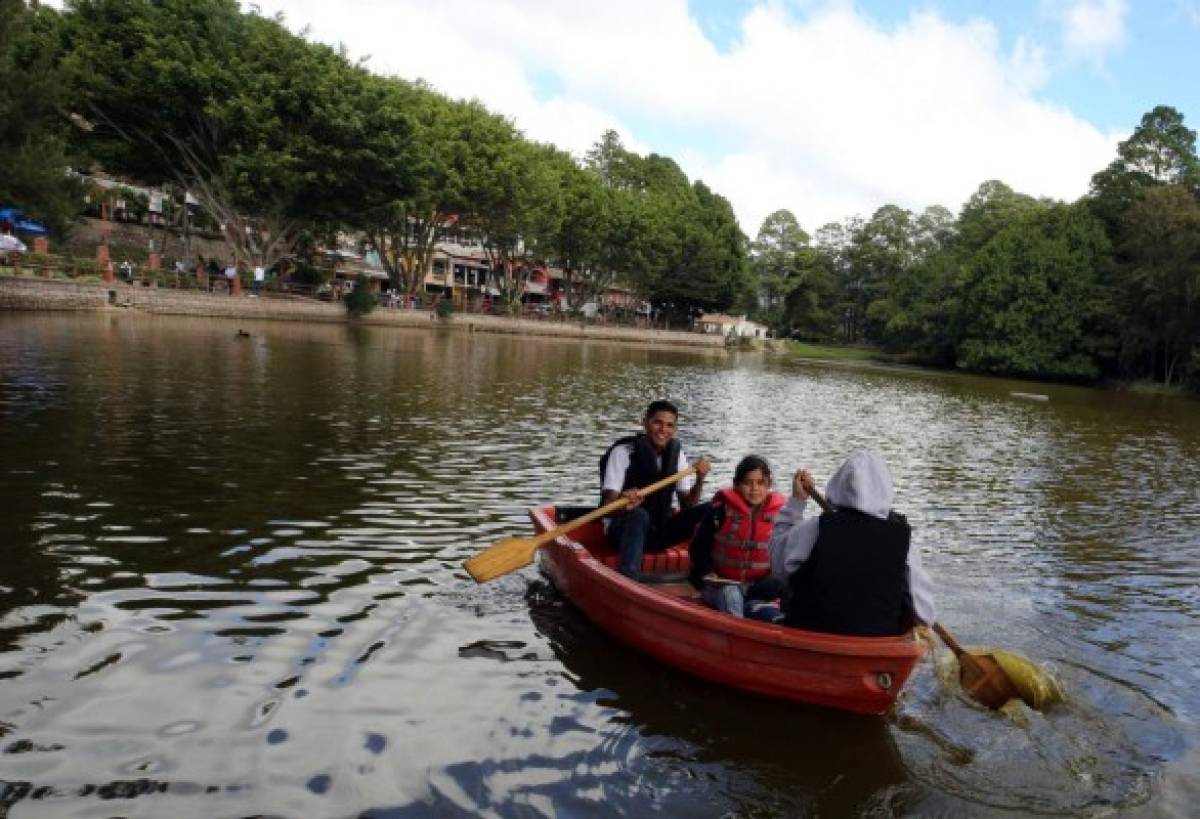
point(737, 326)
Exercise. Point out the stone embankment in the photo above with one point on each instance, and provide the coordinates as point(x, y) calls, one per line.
point(40, 294)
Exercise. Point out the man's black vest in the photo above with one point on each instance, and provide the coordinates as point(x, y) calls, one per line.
point(854, 582)
point(644, 469)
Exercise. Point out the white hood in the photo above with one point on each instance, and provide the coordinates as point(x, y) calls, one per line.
point(863, 483)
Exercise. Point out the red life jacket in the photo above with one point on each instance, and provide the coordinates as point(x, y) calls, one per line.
point(739, 549)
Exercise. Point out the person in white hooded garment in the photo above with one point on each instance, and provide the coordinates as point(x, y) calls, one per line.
point(852, 570)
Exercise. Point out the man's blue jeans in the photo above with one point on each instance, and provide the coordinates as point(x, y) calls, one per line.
point(633, 535)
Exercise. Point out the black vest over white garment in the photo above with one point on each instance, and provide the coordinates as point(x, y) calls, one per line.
point(855, 580)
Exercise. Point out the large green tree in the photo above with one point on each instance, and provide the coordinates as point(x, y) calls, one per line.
point(879, 251)
point(1035, 300)
point(34, 127)
point(777, 258)
point(1160, 151)
point(1160, 281)
point(270, 132)
point(515, 204)
point(993, 207)
point(684, 249)
point(675, 242)
point(452, 145)
point(710, 271)
point(581, 239)
point(617, 166)
point(915, 314)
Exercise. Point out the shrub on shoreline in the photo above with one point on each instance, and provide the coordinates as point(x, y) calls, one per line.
point(360, 301)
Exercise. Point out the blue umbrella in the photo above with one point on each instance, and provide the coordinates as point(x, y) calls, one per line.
point(31, 227)
point(15, 217)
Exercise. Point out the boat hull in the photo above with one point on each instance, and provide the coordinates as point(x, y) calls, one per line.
point(859, 674)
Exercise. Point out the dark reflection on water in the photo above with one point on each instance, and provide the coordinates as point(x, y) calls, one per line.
point(231, 582)
point(722, 751)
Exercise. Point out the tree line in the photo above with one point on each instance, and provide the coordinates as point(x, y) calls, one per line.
point(286, 142)
point(1107, 287)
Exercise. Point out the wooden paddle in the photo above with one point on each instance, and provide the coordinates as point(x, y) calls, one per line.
point(980, 675)
point(512, 553)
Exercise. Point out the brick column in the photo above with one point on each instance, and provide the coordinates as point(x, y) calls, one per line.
point(41, 245)
point(105, 263)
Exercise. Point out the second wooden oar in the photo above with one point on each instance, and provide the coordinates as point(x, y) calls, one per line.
point(515, 552)
point(982, 676)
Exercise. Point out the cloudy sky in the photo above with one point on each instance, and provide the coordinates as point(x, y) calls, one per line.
point(829, 108)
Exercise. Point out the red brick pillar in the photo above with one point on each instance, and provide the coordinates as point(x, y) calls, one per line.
point(236, 285)
point(41, 245)
point(155, 262)
point(105, 263)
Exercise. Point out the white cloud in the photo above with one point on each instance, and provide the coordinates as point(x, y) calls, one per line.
point(815, 107)
point(1092, 28)
point(1029, 65)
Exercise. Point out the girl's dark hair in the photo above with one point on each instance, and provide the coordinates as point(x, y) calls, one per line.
point(749, 464)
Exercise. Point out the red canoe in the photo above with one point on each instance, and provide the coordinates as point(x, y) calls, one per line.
point(664, 618)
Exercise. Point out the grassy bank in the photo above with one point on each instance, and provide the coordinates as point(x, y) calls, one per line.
point(824, 352)
point(1156, 388)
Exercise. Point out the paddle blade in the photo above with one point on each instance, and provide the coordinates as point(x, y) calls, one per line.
point(984, 680)
point(501, 558)
point(1037, 688)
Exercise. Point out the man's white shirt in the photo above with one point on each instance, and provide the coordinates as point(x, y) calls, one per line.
point(618, 463)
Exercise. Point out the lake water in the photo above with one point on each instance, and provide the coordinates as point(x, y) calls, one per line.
point(232, 582)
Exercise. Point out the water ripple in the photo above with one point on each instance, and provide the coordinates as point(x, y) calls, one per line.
point(234, 581)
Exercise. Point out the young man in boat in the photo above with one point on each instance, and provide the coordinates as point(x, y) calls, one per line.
point(648, 523)
point(851, 570)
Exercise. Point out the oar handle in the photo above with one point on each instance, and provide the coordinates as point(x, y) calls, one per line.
point(609, 508)
point(815, 494)
point(948, 639)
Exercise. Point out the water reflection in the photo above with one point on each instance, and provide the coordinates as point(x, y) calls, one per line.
point(726, 754)
point(231, 580)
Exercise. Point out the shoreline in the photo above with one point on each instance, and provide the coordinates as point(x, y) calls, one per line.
point(29, 294)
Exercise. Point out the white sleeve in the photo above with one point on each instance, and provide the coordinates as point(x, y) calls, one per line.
point(921, 588)
point(614, 470)
point(792, 539)
point(687, 483)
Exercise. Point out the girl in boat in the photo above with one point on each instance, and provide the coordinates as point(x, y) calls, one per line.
point(729, 553)
point(851, 571)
